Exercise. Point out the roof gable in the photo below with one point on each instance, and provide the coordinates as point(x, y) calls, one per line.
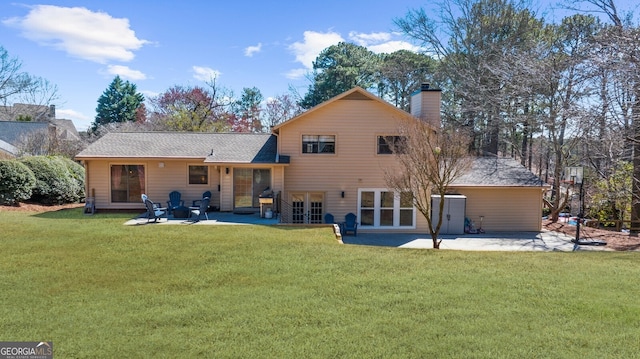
point(356, 93)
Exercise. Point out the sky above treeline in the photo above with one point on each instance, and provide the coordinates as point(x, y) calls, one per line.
point(80, 46)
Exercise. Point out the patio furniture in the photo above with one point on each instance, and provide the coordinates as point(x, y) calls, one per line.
point(206, 194)
point(174, 201)
point(153, 212)
point(328, 218)
point(181, 212)
point(200, 210)
point(350, 224)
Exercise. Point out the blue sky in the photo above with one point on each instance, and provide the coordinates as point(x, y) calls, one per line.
point(80, 46)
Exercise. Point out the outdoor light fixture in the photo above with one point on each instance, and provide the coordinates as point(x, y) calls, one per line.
point(161, 164)
point(576, 176)
point(342, 194)
point(226, 170)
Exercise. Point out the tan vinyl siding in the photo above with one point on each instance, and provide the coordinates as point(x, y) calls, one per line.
point(159, 181)
point(356, 164)
point(504, 208)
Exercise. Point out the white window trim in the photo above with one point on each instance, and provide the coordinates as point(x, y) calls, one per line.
point(376, 209)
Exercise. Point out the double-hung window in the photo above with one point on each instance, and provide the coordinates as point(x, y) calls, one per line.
point(198, 175)
point(388, 144)
point(318, 144)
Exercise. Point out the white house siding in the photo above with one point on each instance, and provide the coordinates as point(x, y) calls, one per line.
point(504, 208)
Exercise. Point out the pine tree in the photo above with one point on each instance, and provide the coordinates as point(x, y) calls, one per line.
point(118, 103)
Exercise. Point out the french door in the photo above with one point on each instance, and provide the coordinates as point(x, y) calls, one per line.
point(307, 207)
point(382, 208)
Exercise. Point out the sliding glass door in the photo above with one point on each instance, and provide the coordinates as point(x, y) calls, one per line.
point(248, 184)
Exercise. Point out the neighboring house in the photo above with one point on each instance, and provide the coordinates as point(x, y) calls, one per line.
point(35, 113)
point(13, 132)
point(329, 159)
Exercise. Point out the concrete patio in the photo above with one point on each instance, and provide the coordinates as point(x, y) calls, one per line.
point(499, 241)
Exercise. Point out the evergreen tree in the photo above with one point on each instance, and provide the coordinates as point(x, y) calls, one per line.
point(118, 103)
point(339, 68)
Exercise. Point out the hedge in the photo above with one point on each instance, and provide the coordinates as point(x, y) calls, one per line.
point(17, 182)
point(55, 182)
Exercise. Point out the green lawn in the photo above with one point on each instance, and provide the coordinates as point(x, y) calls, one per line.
point(99, 289)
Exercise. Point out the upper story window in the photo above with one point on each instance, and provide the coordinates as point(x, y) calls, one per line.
point(387, 144)
point(198, 175)
point(318, 144)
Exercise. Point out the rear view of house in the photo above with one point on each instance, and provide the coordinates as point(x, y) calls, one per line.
point(330, 159)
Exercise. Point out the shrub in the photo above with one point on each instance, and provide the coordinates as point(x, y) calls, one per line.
point(77, 173)
point(16, 182)
point(54, 182)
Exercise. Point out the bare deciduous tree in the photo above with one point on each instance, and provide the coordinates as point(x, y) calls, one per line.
point(428, 162)
point(17, 86)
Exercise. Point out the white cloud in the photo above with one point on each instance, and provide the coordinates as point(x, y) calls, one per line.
point(94, 36)
point(381, 42)
point(368, 39)
point(249, 51)
point(80, 120)
point(149, 94)
point(126, 73)
point(205, 73)
point(392, 46)
point(296, 74)
point(314, 42)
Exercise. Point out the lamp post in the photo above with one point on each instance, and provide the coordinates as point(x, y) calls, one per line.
point(576, 175)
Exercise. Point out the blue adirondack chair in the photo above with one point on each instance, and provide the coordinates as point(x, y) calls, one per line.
point(174, 201)
point(152, 210)
point(350, 224)
point(328, 218)
point(204, 205)
point(206, 194)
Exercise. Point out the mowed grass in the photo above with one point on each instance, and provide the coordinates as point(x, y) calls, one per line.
point(99, 289)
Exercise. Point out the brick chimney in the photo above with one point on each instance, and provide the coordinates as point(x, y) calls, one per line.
point(425, 105)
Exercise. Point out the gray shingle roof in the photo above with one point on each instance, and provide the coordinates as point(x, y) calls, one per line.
point(211, 147)
point(498, 171)
point(11, 131)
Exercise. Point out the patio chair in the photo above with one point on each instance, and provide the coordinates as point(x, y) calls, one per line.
point(206, 194)
point(174, 201)
point(145, 198)
point(152, 211)
point(204, 205)
point(350, 224)
point(328, 218)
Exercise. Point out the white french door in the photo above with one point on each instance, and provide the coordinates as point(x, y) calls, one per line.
point(307, 207)
point(382, 208)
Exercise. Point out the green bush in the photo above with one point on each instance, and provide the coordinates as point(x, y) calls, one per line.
point(16, 182)
point(55, 184)
point(77, 173)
